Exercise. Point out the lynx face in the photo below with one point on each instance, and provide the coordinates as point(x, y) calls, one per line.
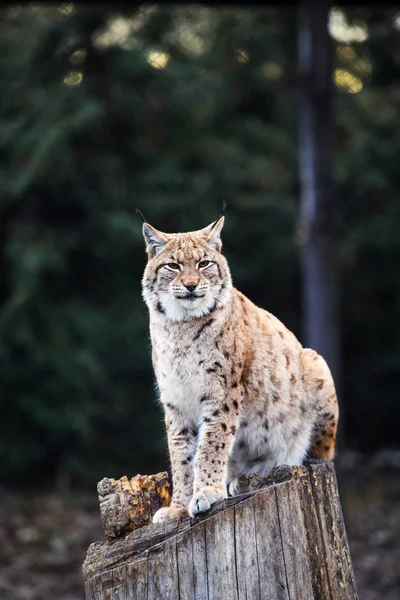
point(186, 276)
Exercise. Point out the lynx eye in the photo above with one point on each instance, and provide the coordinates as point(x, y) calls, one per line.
point(204, 263)
point(173, 266)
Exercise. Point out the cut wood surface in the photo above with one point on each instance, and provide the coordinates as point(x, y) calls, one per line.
point(283, 539)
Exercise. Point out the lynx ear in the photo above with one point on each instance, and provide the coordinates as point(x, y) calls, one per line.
point(155, 240)
point(213, 233)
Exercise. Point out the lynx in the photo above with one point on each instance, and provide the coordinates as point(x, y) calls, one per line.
point(239, 392)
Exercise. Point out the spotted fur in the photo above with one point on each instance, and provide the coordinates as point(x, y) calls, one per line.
point(239, 392)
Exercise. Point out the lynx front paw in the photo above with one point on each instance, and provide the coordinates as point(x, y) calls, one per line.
point(204, 499)
point(168, 513)
point(234, 486)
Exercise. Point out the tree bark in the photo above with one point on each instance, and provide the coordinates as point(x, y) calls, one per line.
point(126, 505)
point(283, 540)
point(319, 214)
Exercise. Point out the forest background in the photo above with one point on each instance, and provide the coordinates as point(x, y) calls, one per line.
point(171, 109)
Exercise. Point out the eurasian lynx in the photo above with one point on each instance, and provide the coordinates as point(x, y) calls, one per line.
point(240, 393)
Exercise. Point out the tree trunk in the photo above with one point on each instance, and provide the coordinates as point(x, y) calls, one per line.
point(318, 207)
point(285, 540)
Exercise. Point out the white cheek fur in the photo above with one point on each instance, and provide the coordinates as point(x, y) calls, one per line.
point(180, 310)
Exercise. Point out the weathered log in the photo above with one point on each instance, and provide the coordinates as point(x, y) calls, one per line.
point(283, 539)
point(126, 505)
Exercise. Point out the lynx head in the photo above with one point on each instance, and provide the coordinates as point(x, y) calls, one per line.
point(186, 275)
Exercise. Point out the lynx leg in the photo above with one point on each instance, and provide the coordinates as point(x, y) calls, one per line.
point(219, 429)
point(324, 437)
point(320, 388)
point(182, 447)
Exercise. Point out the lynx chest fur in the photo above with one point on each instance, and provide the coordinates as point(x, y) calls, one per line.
point(239, 392)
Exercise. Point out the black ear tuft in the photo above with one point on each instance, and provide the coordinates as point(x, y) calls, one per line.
point(139, 212)
point(221, 215)
point(223, 209)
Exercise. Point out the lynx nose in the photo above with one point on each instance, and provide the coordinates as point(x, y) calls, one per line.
point(191, 285)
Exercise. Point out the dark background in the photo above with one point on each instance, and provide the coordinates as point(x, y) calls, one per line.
point(173, 108)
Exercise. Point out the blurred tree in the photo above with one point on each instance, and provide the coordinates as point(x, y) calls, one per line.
point(318, 203)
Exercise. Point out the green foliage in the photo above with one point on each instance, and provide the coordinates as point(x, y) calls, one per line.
point(172, 109)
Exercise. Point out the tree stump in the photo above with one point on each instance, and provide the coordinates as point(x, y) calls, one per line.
point(283, 539)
